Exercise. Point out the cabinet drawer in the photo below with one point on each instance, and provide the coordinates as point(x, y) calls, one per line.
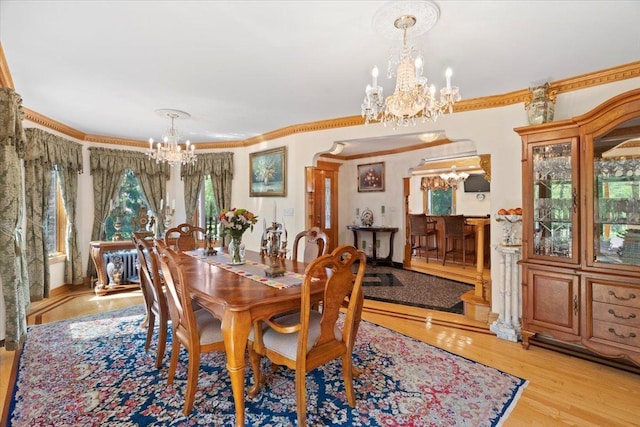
point(619, 295)
point(614, 313)
point(622, 334)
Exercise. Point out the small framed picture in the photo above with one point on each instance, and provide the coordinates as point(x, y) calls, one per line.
point(371, 177)
point(268, 173)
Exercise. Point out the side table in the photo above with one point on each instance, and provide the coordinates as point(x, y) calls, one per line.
point(97, 249)
point(374, 230)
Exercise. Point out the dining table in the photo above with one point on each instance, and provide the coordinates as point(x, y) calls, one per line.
point(239, 295)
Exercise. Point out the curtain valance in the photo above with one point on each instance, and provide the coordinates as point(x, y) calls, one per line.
point(53, 151)
point(117, 161)
point(435, 183)
point(216, 164)
point(11, 116)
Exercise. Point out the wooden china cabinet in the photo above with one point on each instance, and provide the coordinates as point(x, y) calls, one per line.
point(581, 232)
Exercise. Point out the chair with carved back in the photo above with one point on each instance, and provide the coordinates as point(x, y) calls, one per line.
point(184, 237)
point(345, 253)
point(316, 243)
point(198, 331)
point(424, 235)
point(153, 293)
point(307, 339)
point(456, 231)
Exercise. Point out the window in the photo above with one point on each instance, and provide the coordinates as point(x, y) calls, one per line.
point(126, 207)
point(207, 206)
point(56, 220)
point(327, 203)
point(441, 202)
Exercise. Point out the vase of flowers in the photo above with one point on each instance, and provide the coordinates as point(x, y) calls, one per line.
point(234, 223)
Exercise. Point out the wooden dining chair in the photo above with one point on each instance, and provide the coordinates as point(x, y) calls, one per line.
point(198, 331)
point(153, 293)
point(345, 253)
point(184, 237)
point(307, 339)
point(456, 232)
point(316, 243)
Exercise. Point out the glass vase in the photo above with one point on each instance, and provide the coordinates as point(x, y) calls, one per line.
point(236, 250)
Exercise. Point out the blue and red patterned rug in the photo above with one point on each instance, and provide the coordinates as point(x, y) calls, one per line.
point(94, 371)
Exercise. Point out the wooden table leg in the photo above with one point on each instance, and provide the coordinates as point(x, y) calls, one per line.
point(480, 291)
point(236, 326)
point(374, 260)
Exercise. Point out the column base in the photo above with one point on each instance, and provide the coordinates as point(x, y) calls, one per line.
point(505, 332)
point(475, 307)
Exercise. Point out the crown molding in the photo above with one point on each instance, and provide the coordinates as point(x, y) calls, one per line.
point(609, 75)
point(5, 74)
point(116, 141)
point(307, 127)
point(52, 124)
point(281, 133)
point(389, 152)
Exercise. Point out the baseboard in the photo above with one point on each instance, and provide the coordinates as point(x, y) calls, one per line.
point(13, 376)
point(64, 289)
point(582, 353)
point(424, 315)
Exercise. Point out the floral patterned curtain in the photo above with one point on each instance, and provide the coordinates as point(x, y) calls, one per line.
point(37, 180)
point(220, 167)
point(13, 276)
point(107, 168)
point(46, 152)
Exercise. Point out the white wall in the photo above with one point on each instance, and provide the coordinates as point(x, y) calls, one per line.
point(491, 131)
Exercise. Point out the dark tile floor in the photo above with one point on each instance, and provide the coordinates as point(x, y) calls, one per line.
point(407, 287)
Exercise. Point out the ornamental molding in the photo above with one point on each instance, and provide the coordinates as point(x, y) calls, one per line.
point(622, 72)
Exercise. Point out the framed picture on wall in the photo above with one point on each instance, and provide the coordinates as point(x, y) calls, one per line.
point(268, 173)
point(371, 177)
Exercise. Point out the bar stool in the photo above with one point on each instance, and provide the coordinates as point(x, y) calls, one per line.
point(456, 231)
point(422, 229)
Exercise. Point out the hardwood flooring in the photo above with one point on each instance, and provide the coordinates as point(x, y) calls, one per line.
point(451, 270)
point(562, 390)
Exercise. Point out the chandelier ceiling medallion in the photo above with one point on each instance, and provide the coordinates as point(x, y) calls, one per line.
point(169, 149)
point(412, 99)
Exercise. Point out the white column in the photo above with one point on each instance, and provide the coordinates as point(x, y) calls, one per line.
point(509, 304)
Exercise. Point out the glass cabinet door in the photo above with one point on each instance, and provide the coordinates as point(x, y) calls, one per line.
point(616, 200)
point(554, 206)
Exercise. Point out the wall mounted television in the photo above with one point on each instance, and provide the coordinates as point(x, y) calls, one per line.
point(476, 183)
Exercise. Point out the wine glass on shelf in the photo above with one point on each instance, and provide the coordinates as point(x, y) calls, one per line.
point(541, 168)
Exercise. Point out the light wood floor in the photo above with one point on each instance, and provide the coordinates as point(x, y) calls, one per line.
point(562, 390)
point(451, 270)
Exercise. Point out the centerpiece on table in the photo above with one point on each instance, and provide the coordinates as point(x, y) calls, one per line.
point(234, 223)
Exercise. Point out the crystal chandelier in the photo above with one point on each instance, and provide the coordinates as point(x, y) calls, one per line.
point(453, 178)
point(412, 98)
point(169, 150)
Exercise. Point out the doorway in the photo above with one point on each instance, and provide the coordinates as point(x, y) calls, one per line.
point(429, 177)
point(322, 198)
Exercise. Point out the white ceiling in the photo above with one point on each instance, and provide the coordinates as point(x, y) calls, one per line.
point(244, 68)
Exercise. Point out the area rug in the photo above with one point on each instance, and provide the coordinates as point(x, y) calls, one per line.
point(400, 286)
point(94, 371)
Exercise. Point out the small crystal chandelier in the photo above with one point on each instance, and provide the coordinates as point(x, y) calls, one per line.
point(169, 150)
point(412, 98)
point(453, 178)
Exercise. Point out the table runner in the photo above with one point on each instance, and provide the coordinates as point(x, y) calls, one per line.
point(251, 270)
